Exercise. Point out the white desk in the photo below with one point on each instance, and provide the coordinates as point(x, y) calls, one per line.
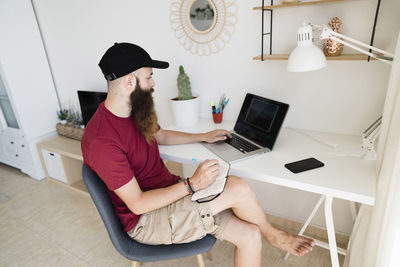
point(345, 174)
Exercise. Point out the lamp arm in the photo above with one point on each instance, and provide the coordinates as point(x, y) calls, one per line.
point(385, 53)
point(372, 127)
point(374, 135)
point(328, 33)
point(369, 137)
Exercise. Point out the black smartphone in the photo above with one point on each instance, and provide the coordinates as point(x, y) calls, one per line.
point(304, 165)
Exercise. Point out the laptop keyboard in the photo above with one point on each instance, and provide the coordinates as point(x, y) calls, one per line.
point(240, 143)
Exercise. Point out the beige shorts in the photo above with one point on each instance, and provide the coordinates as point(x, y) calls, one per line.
point(180, 222)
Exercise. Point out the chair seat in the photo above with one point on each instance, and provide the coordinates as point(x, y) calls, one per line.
point(144, 253)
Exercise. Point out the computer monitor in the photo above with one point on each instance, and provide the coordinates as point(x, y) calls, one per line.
point(89, 102)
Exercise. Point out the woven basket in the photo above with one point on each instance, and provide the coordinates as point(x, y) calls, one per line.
point(69, 131)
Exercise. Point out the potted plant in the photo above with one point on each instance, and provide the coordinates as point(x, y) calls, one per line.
point(72, 126)
point(185, 107)
point(79, 122)
point(71, 118)
point(62, 115)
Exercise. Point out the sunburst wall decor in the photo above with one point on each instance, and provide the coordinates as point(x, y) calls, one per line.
point(203, 27)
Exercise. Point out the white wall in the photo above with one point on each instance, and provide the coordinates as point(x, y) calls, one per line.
point(26, 71)
point(345, 97)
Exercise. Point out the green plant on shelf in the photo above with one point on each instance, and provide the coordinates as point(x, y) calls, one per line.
point(74, 118)
point(62, 114)
point(71, 118)
point(79, 121)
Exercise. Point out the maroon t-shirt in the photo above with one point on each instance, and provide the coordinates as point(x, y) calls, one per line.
point(114, 148)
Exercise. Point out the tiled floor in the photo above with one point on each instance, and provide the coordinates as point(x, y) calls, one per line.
point(47, 224)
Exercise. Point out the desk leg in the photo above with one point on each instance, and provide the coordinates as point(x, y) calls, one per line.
point(309, 220)
point(331, 231)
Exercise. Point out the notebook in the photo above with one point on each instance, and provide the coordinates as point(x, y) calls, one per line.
point(256, 129)
point(218, 185)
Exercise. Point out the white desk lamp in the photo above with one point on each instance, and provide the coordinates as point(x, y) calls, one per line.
point(307, 57)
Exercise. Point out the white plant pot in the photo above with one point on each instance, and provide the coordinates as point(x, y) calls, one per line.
point(186, 112)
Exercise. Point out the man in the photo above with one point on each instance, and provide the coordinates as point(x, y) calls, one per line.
point(121, 145)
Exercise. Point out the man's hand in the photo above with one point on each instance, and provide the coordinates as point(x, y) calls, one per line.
point(216, 135)
point(205, 174)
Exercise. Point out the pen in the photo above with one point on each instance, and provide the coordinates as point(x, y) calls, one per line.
point(213, 106)
point(225, 103)
point(221, 102)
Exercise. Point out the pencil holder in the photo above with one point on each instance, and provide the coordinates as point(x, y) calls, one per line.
point(217, 117)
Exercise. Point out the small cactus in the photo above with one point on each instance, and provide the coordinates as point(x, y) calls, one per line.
point(185, 91)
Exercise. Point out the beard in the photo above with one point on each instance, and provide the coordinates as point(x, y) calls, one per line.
point(143, 112)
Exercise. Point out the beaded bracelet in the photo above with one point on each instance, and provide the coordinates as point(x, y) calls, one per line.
point(187, 187)
point(190, 185)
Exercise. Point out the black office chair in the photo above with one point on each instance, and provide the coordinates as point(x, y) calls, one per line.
point(128, 247)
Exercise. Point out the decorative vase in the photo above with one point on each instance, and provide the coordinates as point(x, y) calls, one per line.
point(333, 48)
point(186, 112)
point(63, 121)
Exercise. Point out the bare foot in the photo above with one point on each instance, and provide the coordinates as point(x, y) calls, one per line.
point(295, 245)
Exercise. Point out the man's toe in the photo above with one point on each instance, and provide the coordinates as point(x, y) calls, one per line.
point(301, 250)
point(308, 246)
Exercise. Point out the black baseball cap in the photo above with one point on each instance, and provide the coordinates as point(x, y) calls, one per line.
point(124, 58)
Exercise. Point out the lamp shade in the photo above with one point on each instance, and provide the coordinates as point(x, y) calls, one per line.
point(306, 56)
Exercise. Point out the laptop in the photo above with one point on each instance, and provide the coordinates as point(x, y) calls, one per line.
point(255, 131)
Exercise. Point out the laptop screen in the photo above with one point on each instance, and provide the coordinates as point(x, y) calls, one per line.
point(261, 114)
point(260, 119)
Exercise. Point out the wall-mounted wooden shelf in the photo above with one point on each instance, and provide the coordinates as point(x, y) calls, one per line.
point(341, 57)
point(271, 8)
point(299, 4)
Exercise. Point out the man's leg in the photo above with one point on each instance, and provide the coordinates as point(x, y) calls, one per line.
point(239, 196)
point(248, 242)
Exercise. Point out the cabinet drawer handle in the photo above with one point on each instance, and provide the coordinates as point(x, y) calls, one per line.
point(22, 145)
point(51, 154)
point(16, 155)
point(12, 142)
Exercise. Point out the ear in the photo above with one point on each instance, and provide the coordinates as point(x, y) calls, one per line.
point(129, 81)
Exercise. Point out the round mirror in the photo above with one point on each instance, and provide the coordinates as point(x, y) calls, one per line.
point(202, 15)
point(203, 27)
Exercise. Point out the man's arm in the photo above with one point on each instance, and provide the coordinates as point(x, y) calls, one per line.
point(168, 137)
point(140, 202)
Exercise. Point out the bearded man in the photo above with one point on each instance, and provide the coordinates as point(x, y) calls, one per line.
point(121, 145)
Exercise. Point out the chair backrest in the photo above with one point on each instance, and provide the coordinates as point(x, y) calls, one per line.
point(98, 191)
point(125, 245)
